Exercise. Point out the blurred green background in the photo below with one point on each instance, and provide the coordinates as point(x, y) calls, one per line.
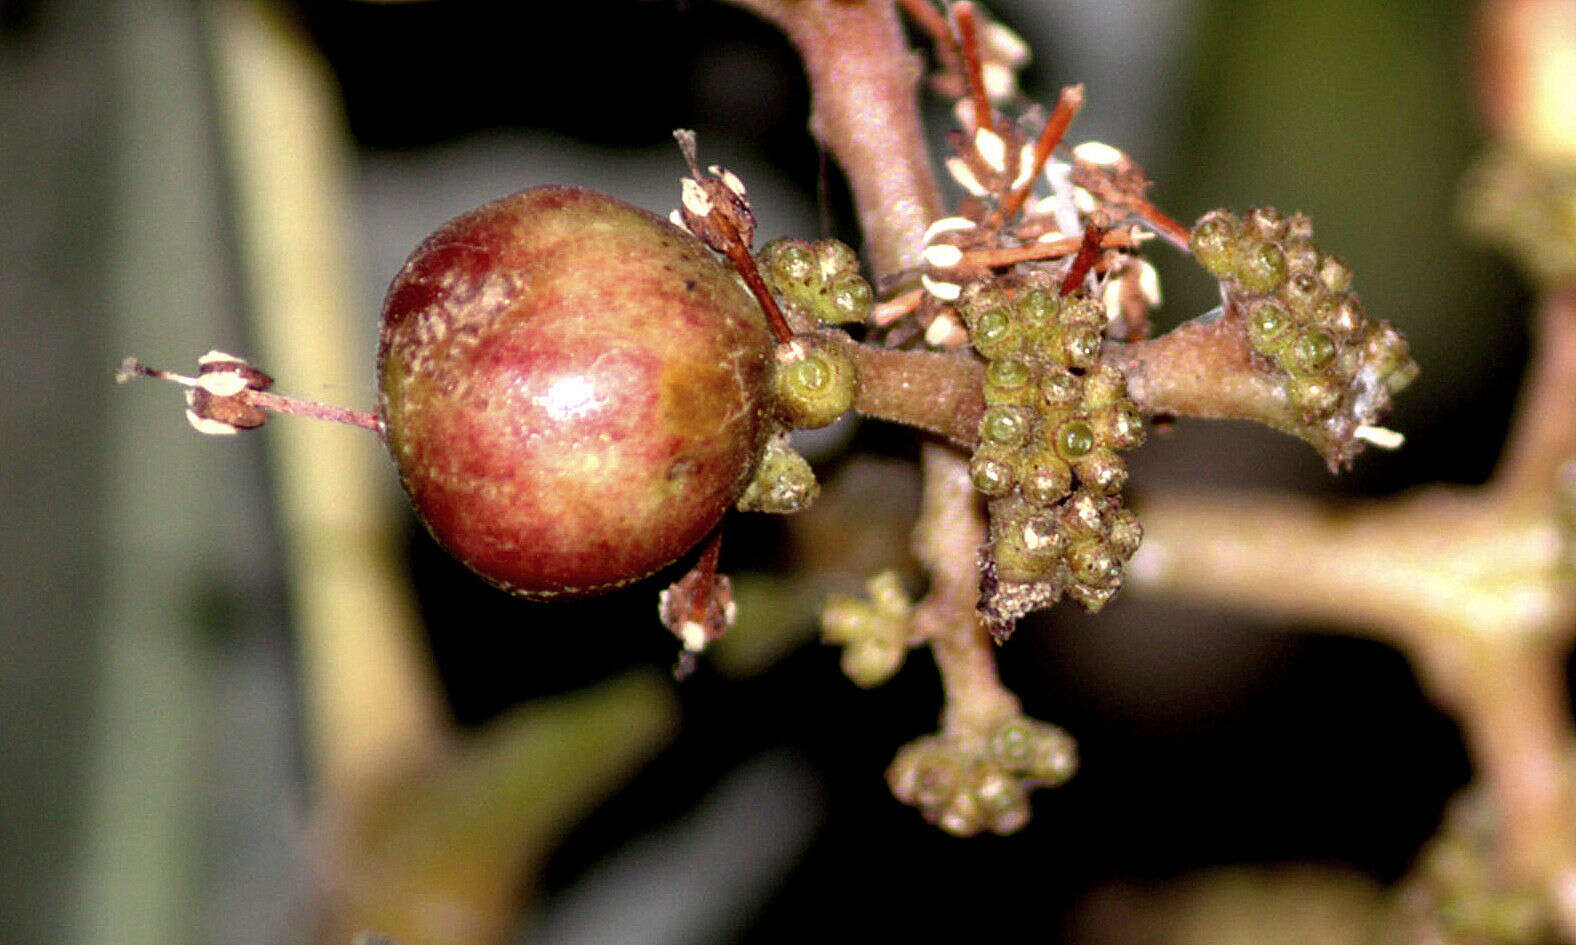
point(156, 776)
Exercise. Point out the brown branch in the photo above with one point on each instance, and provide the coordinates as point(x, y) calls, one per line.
point(951, 529)
point(863, 79)
point(1543, 437)
point(1473, 591)
point(932, 391)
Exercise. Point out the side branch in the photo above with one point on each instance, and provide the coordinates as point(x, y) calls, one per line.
point(863, 79)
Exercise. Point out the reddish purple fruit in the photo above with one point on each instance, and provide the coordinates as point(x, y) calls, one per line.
point(571, 389)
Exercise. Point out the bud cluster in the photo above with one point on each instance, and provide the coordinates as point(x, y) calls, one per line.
point(818, 280)
point(873, 632)
point(967, 786)
point(1340, 368)
point(1054, 420)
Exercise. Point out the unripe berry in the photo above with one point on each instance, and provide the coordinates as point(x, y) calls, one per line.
point(570, 388)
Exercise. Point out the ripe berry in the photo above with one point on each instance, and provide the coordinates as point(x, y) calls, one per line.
point(571, 389)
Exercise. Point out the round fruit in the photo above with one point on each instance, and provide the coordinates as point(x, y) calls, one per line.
point(571, 389)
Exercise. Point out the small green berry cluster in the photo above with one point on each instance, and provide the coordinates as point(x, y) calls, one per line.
point(1054, 420)
point(783, 482)
point(1301, 316)
point(818, 280)
point(982, 783)
point(873, 632)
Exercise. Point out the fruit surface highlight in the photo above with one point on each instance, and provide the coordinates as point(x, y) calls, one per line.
point(571, 390)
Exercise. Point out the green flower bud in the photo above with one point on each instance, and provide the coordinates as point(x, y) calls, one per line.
point(1335, 274)
point(1055, 757)
point(1345, 317)
point(1102, 471)
point(1311, 351)
point(1081, 309)
point(1301, 257)
point(993, 332)
point(1267, 322)
point(783, 482)
point(1119, 425)
point(1316, 397)
point(1081, 344)
point(1013, 744)
point(1074, 440)
point(961, 816)
point(1303, 292)
point(1004, 426)
point(1002, 800)
point(814, 383)
point(1387, 351)
point(923, 773)
point(791, 264)
point(836, 258)
point(848, 299)
point(1091, 599)
point(870, 663)
point(1047, 479)
point(1103, 386)
point(1266, 224)
point(1216, 243)
point(1059, 388)
point(1038, 308)
point(991, 471)
point(1261, 268)
point(1009, 381)
point(1090, 560)
point(1084, 513)
point(1126, 533)
point(1027, 550)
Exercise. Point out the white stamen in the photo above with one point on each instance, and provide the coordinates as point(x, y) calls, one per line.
point(1382, 437)
point(1003, 45)
point(677, 219)
point(942, 255)
point(210, 427)
point(945, 291)
point(1149, 282)
point(216, 355)
point(945, 332)
point(1050, 236)
point(695, 199)
point(1025, 166)
point(729, 179)
point(992, 150)
point(222, 383)
point(1045, 206)
point(1099, 154)
point(1001, 82)
point(1084, 200)
point(946, 225)
point(960, 172)
point(693, 635)
point(1111, 298)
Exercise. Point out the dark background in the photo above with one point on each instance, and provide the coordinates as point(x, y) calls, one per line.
point(1205, 740)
